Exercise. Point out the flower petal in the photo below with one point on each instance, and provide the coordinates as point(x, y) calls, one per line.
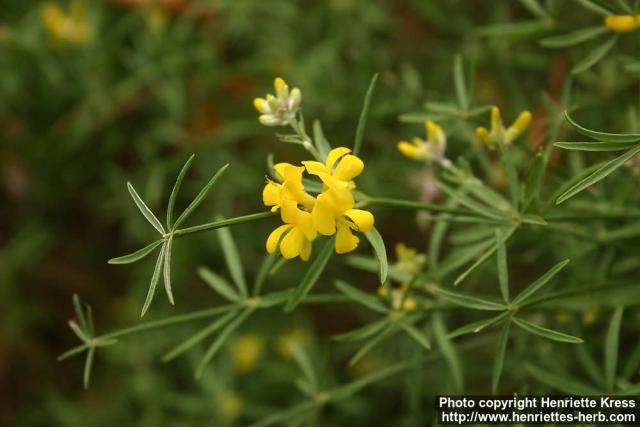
point(274, 237)
point(305, 223)
point(306, 251)
point(292, 244)
point(314, 167)
point(413, 150)
point(323, 216)
point(363, 220)
point(289, 211)
point(345, 240)
point(348, 168)
point(334, 155)
point(279, 169)
point(271, 194)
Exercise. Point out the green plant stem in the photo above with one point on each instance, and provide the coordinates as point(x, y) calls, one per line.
point(409, 204)
point(224, 223)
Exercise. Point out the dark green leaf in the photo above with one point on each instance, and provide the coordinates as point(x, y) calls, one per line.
point(154, 281)
point(218, 284)
point(459, 83)
point(498, 362)
point(145, 209)
point(418, 336)
point(611, 348)
point(559, 382)
point(176, 190)
point(575, 37)
point(363, 332)
point(167, 270)
point(540, 282)
point(534, 181)
point(503, 273)
point(357, 145)
point(603, 136)
point(598, 175)
point(312, 275)
point(478, 326)
point(546, 333)
point(232, 258)
point(361, 297)
point(372, 343)
point(469, 301)
point(200, 197)
point(88, 365)
point(594, 56)
point(595, 145)
point(449, 352)
point(374, 237)
point(137, 255)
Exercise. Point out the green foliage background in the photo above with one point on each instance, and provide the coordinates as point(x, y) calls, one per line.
point(132, 104)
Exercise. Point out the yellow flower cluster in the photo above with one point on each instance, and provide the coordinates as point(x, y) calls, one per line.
point(305, 216)
point(398, 298)
point(431, 149)
point(409, 261)
point(246, 352)
point(66, 26)
point(498, 134)
point(622, 23)
point(278, 110)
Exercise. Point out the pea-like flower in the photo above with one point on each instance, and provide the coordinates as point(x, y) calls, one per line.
point(281, 109)
point(622, 23)
point(331, 212)
point(498, 134)
point(66, 27)
point(431, 149)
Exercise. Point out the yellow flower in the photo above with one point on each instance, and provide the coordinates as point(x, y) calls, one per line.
point(431, 149)
point(288, 341)
point(332, 212)
point(409, 261)
point(228, 406)
point(498, 133)
point(67, 27)
point(281, 109)
point(246, 352)
point(622, 23)
point(298, 232)
point(399, 299)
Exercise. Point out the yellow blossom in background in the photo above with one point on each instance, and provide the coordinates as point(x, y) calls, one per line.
point(398, 298)
point(431, 149)
point(409, 261)
point(289, 340)
point(246, 352)
point(70, 26)
point(281, 109)
point(622, 23)
point(156, 19)
point(228, 406)
point(498, 134)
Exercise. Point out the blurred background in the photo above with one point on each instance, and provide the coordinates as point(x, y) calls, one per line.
point(96, 93)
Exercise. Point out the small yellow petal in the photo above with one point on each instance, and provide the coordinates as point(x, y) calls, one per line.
point(274, 237)
point(271, 194)
point(345, 240)
point(323, 217)
point(289, 211)
point(261, 105)
point(363, 220)
point(306, 251)
point(334, 155)
point(412, 150)
point(435, 134)
point(522, 122)
point(496, 119)
point(482, 134)
point(292, 244)
point(622, 23)
point(348, 168)
point(279, 169)
point(279, 84)
point(305, 223)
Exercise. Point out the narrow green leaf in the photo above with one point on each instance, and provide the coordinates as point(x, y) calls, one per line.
point(312, 275)
point(611, 348)
point(480, 209)
point(418, 336)
point(145, 209)
point(546, 333)
point(595, 145)
point(357, 145)
point(588, 4)
point(449, 352)
point(534, 7)
point(198, 337)
point(469, 301)
point(598, 175)
point(321, 142)
point(263, 272)
point(534, 220)
point(602, 136)
point(176, 190)
point(363, 332)
point(137, 255)
point(575, 37)
point(540, 282)
point(533, 182)
point(167, 270)
point(559, 382)
point(232, 258)
point(374, 237)
point(82, 336)
point(77, 307)
point(485, 256)
point(594, 56)
point(361, 297)
point(498, 362)
point(478, 326)
point(304, 363)
point(459, 83)
point(200, 197)
point(218, 284)
point(72, 352)
point(589, 365)
point(631, 391)
point(503, 273)
point(219, 341)
point(154, 281)
point(575, 179)
point(88, 365)
point(511, 174)
point(372, 343)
